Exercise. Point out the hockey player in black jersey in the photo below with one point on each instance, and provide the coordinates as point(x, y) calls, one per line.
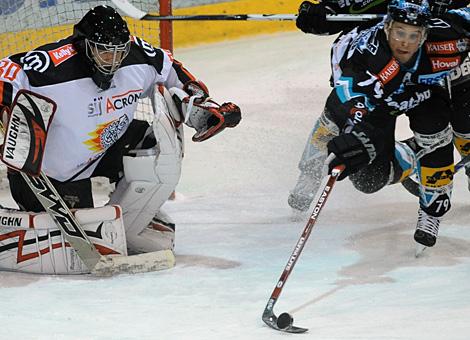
point(97, 77)
point(398, 66)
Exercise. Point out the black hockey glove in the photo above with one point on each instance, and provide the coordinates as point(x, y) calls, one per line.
point(312, 18)
point(355, 149)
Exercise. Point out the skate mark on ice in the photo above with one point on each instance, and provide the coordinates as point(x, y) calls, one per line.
point(205, 261)
point(385, 249)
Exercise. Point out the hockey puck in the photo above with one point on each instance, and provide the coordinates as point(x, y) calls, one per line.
point(284, 321)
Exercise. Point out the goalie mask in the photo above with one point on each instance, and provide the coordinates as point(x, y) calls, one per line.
point(103, 36)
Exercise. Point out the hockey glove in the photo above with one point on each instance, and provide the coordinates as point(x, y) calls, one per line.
point(355, 149)
point(209, 119)
point(197, 89)
point(205, 115)
point(312, 18)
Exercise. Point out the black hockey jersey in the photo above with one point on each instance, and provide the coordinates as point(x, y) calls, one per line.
point(368, 79)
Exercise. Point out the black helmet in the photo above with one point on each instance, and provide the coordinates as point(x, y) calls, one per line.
point(104, 37)
point(411, 12)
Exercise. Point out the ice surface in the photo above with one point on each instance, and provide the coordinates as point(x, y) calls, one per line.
point(357, 277)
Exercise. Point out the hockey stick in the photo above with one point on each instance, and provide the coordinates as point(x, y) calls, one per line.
point(55, 206)
point(128, 9)
point(285, 321)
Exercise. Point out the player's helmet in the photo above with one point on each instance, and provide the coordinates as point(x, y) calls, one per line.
point(105, 38)
point(411, 12)
point(439, 7)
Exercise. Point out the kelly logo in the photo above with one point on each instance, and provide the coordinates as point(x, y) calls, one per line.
point(61, 54)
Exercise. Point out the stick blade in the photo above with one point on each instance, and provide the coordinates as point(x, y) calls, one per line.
point(271, 320)
point(134, 264)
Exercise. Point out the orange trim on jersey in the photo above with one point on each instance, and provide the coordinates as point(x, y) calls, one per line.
point(185, 71)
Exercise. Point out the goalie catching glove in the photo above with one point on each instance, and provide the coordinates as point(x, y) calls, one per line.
point(202, 113)
point(356, 149)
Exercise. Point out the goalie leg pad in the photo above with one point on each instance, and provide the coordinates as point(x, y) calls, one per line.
point(158, 235)
point(32, 243)
point(149, 179)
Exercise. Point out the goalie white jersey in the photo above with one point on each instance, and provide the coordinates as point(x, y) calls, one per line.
point(88, 120)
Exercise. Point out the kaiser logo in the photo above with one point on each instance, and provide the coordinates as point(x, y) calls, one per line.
point(61, 54)
point(442, 47)
point(389, 71)
point(441, 64)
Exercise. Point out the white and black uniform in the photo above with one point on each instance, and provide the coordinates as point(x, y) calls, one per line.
point(88, 120)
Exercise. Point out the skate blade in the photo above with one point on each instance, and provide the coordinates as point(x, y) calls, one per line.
point(419, 250)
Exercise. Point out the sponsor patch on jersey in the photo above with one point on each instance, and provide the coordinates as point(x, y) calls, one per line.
point(442, 47)
point(432, 79)
point(437, 177)
point(107, 134)
point(61, 54)
point(441, 64)
point(463, 71)
point(389, 71)
point(104, 105)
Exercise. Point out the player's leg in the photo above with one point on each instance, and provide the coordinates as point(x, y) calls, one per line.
point(430, 124)
point(312, 164)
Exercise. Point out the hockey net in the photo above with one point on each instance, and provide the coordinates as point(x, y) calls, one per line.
point(27, 24)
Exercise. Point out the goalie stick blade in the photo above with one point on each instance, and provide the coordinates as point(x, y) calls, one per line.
point(134, 264)
point(271, 320)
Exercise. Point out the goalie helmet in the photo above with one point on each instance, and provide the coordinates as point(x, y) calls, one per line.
point(103, 36)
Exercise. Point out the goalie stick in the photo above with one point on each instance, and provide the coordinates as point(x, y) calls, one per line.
point(55, 206)
point(285, 322)
point(128, 9)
